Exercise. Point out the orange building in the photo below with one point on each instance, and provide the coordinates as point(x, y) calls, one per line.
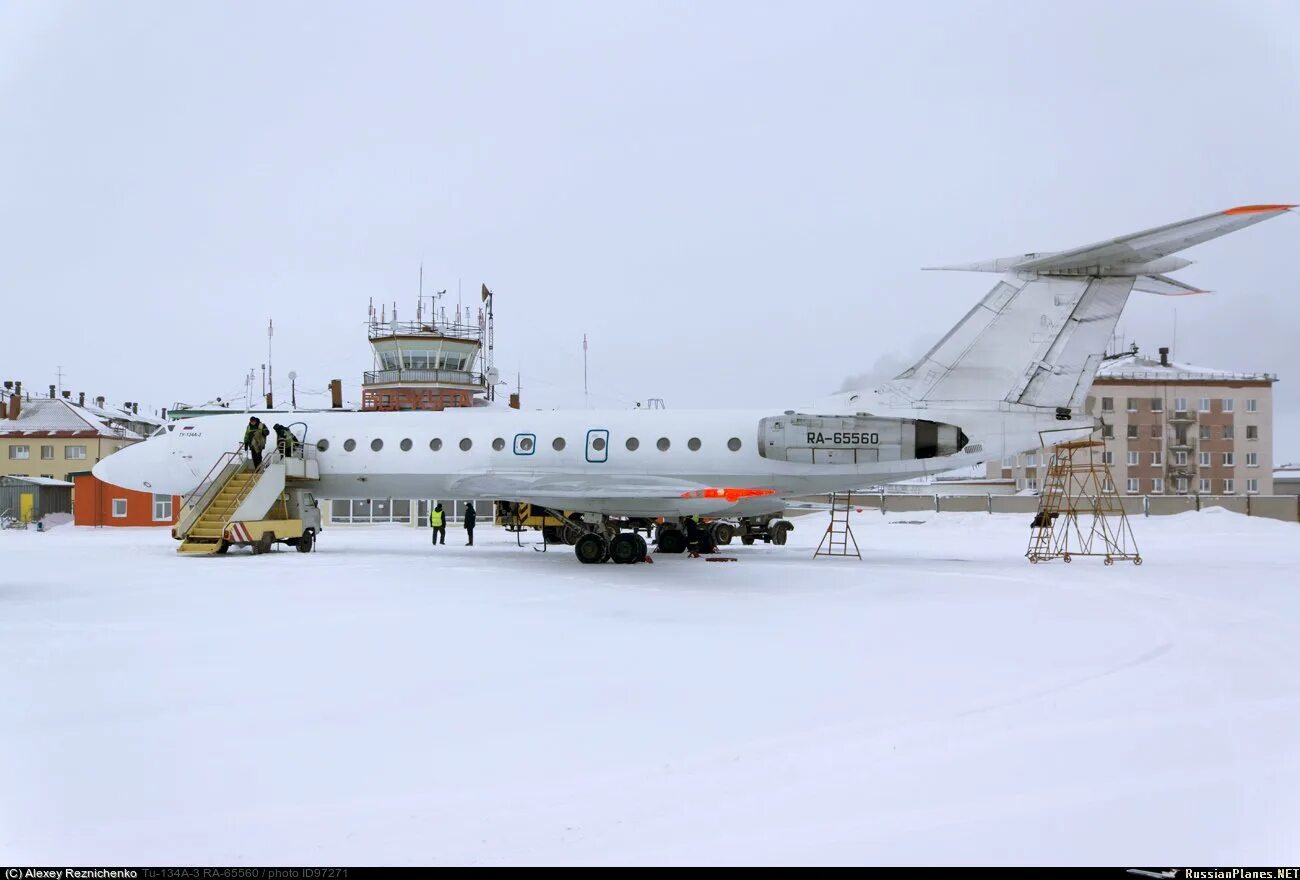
point(99, 504)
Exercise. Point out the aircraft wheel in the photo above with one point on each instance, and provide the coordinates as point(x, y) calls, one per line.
point(672, 541)
point(723, 533)
point(625, 549)
point(591, 548)
point(642, 548)
point(552, 534)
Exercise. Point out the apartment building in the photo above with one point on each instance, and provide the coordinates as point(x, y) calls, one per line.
point(1173, 429)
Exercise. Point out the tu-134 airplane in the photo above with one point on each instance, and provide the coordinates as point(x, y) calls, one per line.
point(1012, 374)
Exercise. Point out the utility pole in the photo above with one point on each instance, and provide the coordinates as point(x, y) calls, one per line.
point(586, 401)
point(293, 389)
point(270, 378)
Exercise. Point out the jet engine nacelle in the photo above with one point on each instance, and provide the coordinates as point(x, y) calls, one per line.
point(858, 439)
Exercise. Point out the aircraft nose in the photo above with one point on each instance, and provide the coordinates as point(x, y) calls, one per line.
point(140, 466)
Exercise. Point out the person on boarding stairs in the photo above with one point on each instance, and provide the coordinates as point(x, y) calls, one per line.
point(283, 439)
point(470, 516)
point(438, 521)
point(255, 440)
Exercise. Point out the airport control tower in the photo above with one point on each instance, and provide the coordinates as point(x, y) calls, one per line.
point(433, 362)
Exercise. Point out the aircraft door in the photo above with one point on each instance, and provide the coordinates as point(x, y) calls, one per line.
point(597, 445)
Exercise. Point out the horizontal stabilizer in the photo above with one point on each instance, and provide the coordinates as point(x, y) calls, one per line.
point(1163, 285)
point(1149, 252)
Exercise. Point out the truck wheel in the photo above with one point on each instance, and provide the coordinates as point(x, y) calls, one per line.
point(723, 533)
point(264, 543)
point(779, 531)
point(747, 540)
point(223, 546)
point(306, 541)
point(551, 534)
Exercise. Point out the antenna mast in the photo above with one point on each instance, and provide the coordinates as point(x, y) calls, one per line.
point(585, 399)
point(270, 377)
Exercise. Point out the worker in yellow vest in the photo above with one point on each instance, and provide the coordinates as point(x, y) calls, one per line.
point(439, 523)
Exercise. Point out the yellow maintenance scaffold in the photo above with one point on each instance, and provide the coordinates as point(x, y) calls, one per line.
point(1079, 512)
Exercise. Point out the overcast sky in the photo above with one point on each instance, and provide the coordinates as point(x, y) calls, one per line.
point(733, 200)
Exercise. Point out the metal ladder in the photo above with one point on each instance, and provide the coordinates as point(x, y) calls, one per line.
point(839, 533)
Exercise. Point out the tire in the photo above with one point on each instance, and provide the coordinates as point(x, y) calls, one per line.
point(552, 534)
point(625, 549)
point(672, 541)
point(264, 543)
point(591, 548)
point(223, 547)
point(779, 531)
point(571, 532)
point(642, 548)
point(747, 540)
point(306, 542)
point(723, 533)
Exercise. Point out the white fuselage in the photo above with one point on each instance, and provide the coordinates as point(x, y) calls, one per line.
point(557, 458)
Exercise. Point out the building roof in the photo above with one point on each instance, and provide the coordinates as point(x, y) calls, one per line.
point(1135, 367)
point(40, 481)
point(54, 416)
point(1287, 472)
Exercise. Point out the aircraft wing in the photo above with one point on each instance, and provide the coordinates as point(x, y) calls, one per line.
point(1153, 244)
point(623, 496)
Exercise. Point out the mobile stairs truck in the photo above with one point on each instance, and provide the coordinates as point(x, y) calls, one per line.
point(238, 505)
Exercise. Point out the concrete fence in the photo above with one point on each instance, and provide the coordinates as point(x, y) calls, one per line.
point(1280, 507)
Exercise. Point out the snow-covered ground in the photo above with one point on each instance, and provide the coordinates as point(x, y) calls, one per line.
point(380, 702)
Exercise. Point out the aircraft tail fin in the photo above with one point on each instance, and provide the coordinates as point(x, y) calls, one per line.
point(1039, 335)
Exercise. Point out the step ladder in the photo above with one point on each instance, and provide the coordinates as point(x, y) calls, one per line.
point(1079, 511)
point(839, 533)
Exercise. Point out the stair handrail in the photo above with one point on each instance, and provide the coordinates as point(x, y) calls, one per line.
point(211, 486)
point(272, 457)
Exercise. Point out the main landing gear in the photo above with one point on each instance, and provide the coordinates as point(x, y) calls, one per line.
point(596, 542)
point(624, 548)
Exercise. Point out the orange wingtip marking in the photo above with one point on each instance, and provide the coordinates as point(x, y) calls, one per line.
point(730, 494)
point(1257, 209)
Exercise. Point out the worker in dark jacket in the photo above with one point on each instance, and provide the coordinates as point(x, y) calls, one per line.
point(438, 521)
point(255, 440)
point(470, 516)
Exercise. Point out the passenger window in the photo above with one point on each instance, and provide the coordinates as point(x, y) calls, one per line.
point(406, 445)
point(693, 444)
point(632, 444)
point(322, 445)
point(663, 444)
point(498, 444)
point(466, 443)
point(734, 444)
point(349, 444)
point(598, 444)
point(435, 444)
point(376, 444)
point(525, 444)
point(557, 444)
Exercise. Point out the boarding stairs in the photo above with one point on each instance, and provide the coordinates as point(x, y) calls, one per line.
point(838, 539)
point(234, 491)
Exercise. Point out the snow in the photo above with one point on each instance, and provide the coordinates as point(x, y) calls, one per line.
point(383, 702)
point(1135, 366)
